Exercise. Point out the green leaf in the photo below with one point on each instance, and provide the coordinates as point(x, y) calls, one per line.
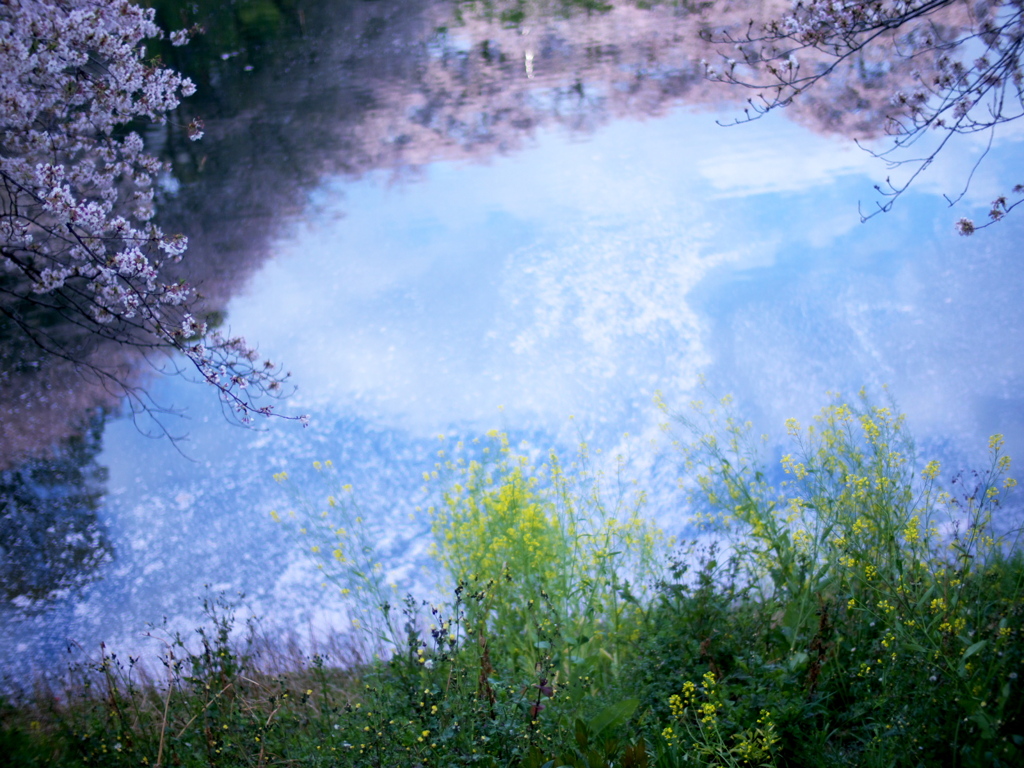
point(797, 661)
point(582, 734)
point(973, 649)
point(613, 715)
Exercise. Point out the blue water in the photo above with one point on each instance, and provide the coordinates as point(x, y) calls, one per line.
point(550, 292)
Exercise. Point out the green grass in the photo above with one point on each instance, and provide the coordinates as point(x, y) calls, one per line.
point(858, 613)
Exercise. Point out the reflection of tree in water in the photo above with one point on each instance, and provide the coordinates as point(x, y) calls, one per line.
point(350, 87)
point(46, 400)
point(50, 537)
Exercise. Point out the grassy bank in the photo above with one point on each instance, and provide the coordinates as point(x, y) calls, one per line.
point(864, 611)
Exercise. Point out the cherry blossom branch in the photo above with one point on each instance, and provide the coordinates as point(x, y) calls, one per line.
point(952, 94)
point(76, 194)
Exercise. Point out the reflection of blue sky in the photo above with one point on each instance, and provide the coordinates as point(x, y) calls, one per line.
point(565, 279)
point(575, 277)
point(505, 284)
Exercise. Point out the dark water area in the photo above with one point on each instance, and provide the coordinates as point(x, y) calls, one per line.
point(446, 221)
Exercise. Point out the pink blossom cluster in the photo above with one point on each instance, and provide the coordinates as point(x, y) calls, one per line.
point(815, 22)
point(77, 188)
point(948, 93)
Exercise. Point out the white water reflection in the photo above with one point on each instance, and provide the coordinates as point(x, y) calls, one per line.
point(561, 281)
point(552, 282)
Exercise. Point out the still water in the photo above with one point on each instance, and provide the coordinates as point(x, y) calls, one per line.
point(447, 225)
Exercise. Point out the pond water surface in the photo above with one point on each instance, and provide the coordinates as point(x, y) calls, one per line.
point(448, 228)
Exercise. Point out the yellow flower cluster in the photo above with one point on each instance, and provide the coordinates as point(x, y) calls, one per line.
point(675, 705)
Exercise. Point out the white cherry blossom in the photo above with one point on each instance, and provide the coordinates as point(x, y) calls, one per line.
point(77, 189)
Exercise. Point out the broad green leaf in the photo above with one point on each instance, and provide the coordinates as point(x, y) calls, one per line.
point(973, 649)
point(613, 715)
point(582, 734)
